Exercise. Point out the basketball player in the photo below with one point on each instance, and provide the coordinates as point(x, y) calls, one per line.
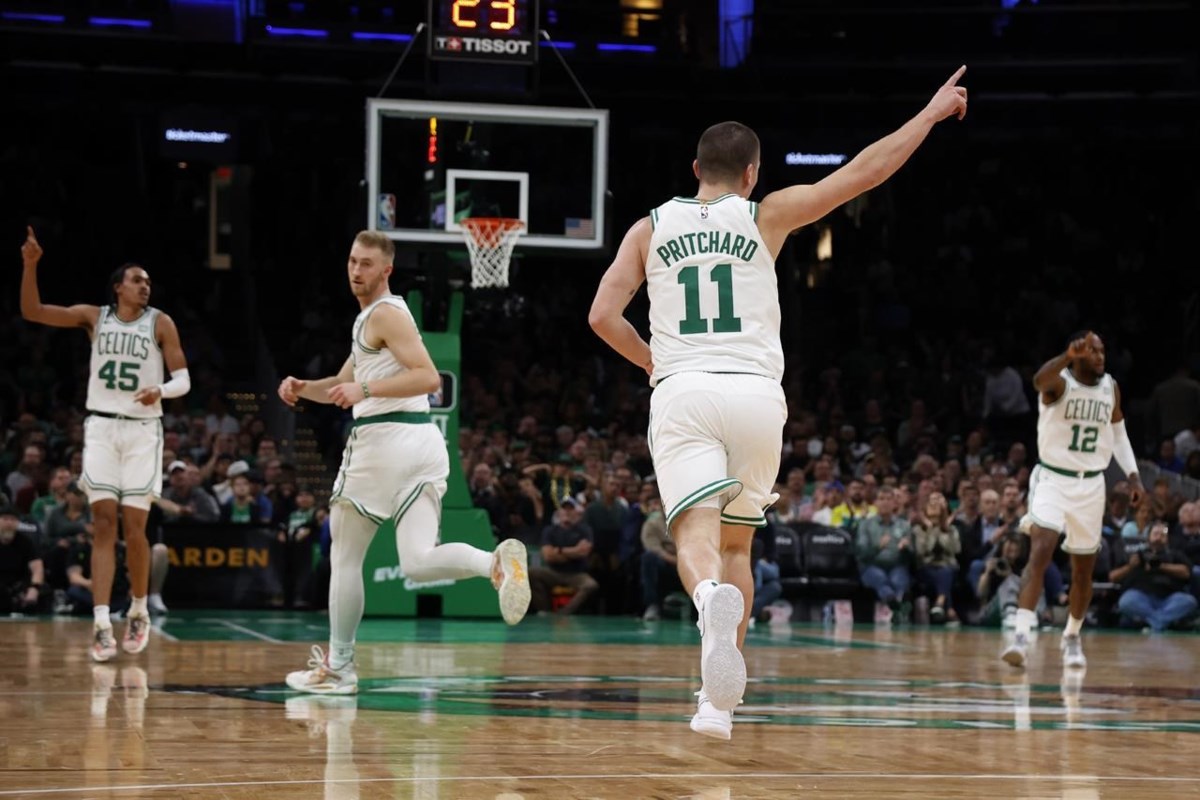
point(123, 437)
point(716, 363)
point(394, 467)
point(1080, 430)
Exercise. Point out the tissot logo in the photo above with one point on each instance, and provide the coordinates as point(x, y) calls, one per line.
point(476, 45)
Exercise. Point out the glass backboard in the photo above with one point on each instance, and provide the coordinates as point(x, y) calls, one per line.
point(430, 164)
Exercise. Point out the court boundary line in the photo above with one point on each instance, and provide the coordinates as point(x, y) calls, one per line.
point(803, 776)
point(242, 629)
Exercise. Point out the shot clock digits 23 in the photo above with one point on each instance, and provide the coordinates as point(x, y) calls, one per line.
point(484, 30)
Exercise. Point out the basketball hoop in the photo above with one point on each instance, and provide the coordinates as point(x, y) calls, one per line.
point(490, 242)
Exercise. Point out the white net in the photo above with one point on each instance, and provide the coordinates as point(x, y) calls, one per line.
point(490, 242)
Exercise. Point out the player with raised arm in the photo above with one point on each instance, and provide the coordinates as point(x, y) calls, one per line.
point(123, 436)
point(395, 466)
point(715, 361)
point(1081, 429)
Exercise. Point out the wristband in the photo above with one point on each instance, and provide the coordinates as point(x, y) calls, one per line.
point(366, 391)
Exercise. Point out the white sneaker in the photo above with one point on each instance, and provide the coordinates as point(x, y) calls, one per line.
point(1072, 650)
point(320, 678)
point(722, 668)
point(651, 614)
point(104, 644)
point(137, 633)
point(710, 721)
point(1016, 651)
point(510, 576)
point(155, 604)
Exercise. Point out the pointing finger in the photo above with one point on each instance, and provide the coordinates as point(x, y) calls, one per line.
point(957, 74)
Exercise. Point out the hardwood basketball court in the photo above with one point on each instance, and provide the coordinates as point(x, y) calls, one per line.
point(590, 708)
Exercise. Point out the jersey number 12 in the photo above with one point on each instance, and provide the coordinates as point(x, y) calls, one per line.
point(1088, 444)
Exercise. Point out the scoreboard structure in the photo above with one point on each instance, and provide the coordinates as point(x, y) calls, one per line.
point(498, 31)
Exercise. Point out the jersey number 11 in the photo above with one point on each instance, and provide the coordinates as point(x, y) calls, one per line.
point(726, 322)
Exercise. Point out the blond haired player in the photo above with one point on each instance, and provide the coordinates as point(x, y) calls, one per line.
point(395, 466)
point(123, 438)
point(716, 362)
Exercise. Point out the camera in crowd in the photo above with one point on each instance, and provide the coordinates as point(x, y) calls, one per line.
point(1003, 568)
point(1152, 559)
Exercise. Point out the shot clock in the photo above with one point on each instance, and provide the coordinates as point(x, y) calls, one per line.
point(484, 30)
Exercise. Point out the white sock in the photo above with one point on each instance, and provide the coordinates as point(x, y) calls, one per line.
point(156, 597)
point(340, 654)
point(137, 607)
point(101, 615)
point(1026, 620)
point(423, 559)
point(1073, 626)
point(703, 589)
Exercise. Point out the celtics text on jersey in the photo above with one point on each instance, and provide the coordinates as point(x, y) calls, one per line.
point(1075, 431)
point(125, 358)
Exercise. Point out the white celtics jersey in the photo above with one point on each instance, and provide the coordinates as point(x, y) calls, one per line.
point(1075, 432)
point(371, 365)
point(714, 299)
point(125, 357)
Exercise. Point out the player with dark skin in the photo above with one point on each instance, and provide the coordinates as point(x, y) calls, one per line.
point(131, 297)
point(1085, 358)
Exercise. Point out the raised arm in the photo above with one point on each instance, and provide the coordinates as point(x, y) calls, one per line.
point(293, 389)
point(32, 307)
point(784, 211)
point(398, 333)
point(1048, 380)
point(620, 283)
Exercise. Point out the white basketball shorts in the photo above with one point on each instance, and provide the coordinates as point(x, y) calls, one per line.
point(716, 440)
point(386, 466)
point(1068, 504)
point(122, 460)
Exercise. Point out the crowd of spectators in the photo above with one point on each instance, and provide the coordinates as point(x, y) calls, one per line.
point(910, 411)
point(927, 516)
point(218, 467)
point(921, 396)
